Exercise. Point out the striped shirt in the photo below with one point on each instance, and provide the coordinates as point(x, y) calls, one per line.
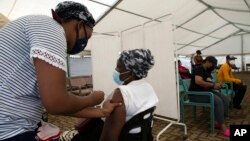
point(20, 41)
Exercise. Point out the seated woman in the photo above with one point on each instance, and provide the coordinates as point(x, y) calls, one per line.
point(183, 71)
point(134, 92)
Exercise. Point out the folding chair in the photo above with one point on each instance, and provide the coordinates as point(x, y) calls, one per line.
point(143, 121)
point(185, 101)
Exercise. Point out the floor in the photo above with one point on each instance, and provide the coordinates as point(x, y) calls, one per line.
point(198, 130)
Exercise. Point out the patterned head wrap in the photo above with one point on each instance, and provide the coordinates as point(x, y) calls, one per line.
point(139, 61)
point(73, 10)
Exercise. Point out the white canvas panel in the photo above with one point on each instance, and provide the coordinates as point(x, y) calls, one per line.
point(184, 37)
point(205, 23)
point(246, 43)
point(159, 39)
point(231, 45)
point(187, 11)
point(206, 41)
point(231, 4)
point(225, 31)
point(104, 51)
point(133, 39)
point(234, 16)
point(117, 21)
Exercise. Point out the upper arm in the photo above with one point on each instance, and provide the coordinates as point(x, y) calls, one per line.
point(198, 76)
point(198, 79)
point(48, 54)
point(115, 121)
point(51, 83)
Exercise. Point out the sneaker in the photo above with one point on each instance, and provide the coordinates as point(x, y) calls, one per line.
point(226, 133)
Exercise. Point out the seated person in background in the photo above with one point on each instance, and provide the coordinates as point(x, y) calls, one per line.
point(136, 94)
point(202, 81)
point(225, 74)
point(183, 71)
point(198, 58)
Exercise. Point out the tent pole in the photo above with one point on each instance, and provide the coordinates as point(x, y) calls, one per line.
point(242, 54)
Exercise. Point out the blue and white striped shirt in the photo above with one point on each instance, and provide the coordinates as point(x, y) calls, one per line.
point(20, 41)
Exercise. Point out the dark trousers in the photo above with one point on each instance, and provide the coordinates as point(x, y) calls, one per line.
point(220, 104)
point(240, 91)
point(27, 136)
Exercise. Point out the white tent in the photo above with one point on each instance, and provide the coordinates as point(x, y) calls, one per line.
point(217, 27)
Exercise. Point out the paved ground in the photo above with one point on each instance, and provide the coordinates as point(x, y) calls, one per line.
point(198, 130)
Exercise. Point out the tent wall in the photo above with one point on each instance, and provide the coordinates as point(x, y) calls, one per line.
point(246, 44)
point(157, 38)
point(235, 45)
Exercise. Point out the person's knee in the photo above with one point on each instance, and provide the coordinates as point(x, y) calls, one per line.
point(218, 101)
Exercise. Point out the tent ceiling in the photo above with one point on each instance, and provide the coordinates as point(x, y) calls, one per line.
point(199, 23)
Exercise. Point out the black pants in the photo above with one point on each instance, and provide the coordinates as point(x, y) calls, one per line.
point(240, 91)
point(27, 136)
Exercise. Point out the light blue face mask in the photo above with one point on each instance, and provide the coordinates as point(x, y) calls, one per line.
point(116, 77)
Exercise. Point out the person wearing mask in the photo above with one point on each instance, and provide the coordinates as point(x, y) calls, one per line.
point(135, 93)
point(33, 70)
point(225, 74)
point(183, 71)
point(202, 81)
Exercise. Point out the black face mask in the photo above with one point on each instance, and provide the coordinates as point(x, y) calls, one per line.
point(80, 44)
point(211, 69)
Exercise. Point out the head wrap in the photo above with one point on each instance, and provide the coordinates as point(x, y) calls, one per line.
point(73, 10)
point(138, 61)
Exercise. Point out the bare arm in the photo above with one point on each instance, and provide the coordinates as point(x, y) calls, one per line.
point(54, 96)
point(115, 121)
point(199, 81)
point(93, 112)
